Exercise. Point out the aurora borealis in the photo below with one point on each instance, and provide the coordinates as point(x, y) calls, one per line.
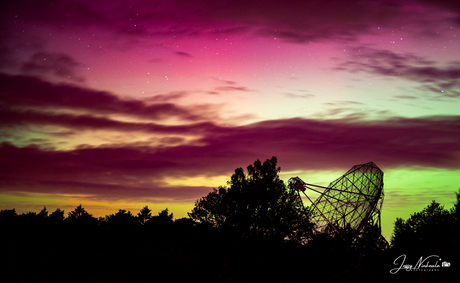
point(114, 104)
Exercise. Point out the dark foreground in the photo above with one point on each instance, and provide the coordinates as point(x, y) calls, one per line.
point(42, 251)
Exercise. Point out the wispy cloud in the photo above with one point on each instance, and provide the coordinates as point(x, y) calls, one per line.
point(228, 86)
point(28, 92)
point(56, 65)
point(443, 80)
point(183, 54)
point(11, 118)
point(300, 95)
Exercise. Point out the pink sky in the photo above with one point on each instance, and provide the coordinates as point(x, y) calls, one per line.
point(119, 105)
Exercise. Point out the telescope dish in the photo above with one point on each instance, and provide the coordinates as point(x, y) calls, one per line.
point(349, 202)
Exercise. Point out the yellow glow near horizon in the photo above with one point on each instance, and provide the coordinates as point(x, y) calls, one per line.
point(35, 202)
point(211, 181)
point(406, 191)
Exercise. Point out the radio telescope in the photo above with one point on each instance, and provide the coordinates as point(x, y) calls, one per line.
point(348, 203)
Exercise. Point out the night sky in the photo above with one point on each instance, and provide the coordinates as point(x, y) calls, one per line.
point(121, 104)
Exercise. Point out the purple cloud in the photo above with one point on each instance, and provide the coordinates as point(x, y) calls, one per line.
point(29, 92)
point(60, 66)
point(299, 144)
point(183, 54)
point(443, 80)
point(10, 118)
point(295, 21)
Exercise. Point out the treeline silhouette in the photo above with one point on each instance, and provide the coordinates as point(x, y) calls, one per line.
point(253, 230)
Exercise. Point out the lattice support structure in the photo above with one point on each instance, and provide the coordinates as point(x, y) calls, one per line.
point(349, 202)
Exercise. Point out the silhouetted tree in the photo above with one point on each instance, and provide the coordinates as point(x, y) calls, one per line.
point(8, 218)
point(122, 220)
point(43, 213)
point(57, 215)
point(430, 231)
point(258, 204)
point(27, 218)
point(78, 212)
point(80, 217)
point(370, 239)
point(184, 222)
point(144, 215)
point(164, 218)
point(7, 214)
point(455, 210)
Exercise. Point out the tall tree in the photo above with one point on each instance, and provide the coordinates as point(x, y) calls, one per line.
point(78, 212)
point(432, 231)
point(57, 215)
point(122, 220)
point(164, 218)
point(144, 215)
point(80, 217)
point(43, 213)
point(258, 204)
point(8, 218)
point(456, 209)
point(428, 229)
